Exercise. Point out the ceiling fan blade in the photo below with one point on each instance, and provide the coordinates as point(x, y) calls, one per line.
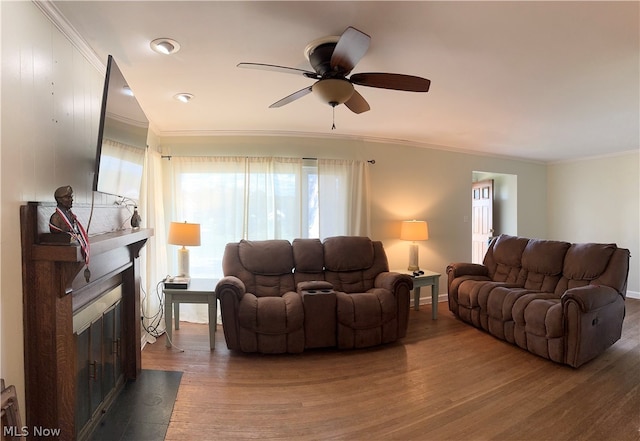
point(351, 47)
point(357, 104)
point(294, 96)
point(408, 83)
point(282, 69)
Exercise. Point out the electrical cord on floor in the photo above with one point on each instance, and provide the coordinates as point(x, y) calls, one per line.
point(153, 328)
point(156, 319)
point(171, 343)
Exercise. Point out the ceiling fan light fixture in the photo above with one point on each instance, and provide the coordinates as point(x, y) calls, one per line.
point(333, 91)
point(165, 46)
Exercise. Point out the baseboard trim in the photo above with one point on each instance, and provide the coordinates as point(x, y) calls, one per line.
point(426, 300)
point(146, 338)
point(633, 295)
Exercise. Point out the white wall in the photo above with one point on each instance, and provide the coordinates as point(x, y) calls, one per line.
point(598, 200)
point(434, 185)
point(50, 109)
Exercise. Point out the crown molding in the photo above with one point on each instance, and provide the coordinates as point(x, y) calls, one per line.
point(59, 21)
point(595, 157)
point(345, 137)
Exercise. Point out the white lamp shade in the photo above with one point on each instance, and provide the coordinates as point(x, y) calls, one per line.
point(414, 230)
point(185, 234)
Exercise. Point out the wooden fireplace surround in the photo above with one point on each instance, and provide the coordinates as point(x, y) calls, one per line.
point(54, 286)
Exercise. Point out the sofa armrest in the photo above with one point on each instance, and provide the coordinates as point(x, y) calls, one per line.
point(459, 272)
point(230, 290)
point(230, 285)
point(400, 286)
point(593, 317)
point(458, 269)
point(392, 281)
point(590, 297)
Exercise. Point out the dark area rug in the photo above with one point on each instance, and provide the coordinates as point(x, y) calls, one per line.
point(142, 410)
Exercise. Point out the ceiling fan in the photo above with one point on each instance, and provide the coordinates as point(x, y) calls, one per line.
point(332, 59)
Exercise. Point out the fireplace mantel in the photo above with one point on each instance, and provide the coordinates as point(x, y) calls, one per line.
point(54, 287)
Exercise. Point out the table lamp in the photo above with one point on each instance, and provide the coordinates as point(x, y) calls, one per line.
point(184, 234)
point(414, 230)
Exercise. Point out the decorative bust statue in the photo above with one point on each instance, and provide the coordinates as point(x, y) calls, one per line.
point(64, 221)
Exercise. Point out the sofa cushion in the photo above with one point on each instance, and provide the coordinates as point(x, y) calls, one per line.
point(544, 328)
point(366, 319)
point(544, 256)
point(470, 292)
point(617, 272)
point(266, 257)
point(508, 250)
point(543, 317)
point(587, 261)
point(270, 325)
point(543, 260)
point(504, 260)
point(308, 255)
point(271, 315)
point(348, 253)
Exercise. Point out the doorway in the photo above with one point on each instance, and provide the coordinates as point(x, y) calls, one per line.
point(494, 209)
point(481, 218)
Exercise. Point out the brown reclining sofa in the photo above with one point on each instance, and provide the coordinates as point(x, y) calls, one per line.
point(278, 297)
point(561, 301)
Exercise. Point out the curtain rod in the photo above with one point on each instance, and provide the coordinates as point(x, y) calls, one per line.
point(370, 161)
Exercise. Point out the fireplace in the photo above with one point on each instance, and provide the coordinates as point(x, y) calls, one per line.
point(97, 330)
point(79, 332)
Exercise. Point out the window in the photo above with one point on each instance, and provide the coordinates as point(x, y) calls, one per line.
point(265, 198)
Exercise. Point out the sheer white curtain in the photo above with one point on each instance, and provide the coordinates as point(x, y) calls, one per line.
point(273, 199)
point(343, 198)
point(235, 198)
point(154, 265)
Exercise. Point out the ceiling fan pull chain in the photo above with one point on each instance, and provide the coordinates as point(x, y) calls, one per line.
point(333, 126)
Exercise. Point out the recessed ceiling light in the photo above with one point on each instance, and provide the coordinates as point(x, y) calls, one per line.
point(165, 46)
point(127, 90)
point(183, 97)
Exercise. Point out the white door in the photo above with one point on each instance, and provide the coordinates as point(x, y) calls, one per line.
point(481, 218)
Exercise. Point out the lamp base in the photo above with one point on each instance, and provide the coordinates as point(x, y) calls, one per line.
point(183, 262)
point(413, 257)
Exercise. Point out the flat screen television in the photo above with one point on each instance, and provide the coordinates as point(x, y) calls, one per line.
point(122, 138)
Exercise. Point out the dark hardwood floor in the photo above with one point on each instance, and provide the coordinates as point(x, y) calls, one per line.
point(444, 381)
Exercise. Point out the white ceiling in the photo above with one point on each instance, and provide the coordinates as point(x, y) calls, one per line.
point(544, 81)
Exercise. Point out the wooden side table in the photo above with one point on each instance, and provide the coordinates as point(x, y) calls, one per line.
point(429, 278)
point(199, 291)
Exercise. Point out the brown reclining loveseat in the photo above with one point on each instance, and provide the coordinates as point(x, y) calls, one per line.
point(278, 296)
point(561, 301)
